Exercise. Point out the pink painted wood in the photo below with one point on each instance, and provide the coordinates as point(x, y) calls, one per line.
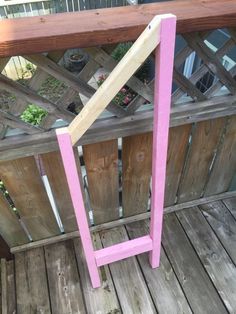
point(123, 250)
point(162, 100)
point(152, 242)
point(72, 177)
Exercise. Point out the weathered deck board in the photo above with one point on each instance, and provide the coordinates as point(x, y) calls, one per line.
point(170, 297)
point(196, 274)
point(31, 282)
point(212, 255)
point(223, 224)
point(63, 279)
point(128, 279)
point(189, 270)
point(101, 300)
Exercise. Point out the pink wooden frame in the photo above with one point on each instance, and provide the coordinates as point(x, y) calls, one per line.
point(150, 243)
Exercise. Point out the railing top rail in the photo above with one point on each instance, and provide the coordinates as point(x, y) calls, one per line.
point(106, 26)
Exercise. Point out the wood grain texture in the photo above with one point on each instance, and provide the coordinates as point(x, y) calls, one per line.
point(224, 167)
point(223, 224)
point(108, 63)
point(103, 299)
point(111, 128)
point(205, 139)
point(61, 74)
point(35, 83)
point(31, 96)
point(14, 122)
point(128, 279)
point(128, 65)
point(177, 150)
point(101, 162)
point(123, 221)
point(187, 86)
point(162, 283)
point(75, 82)
point(136, 173)
point(4, 250)
point(211, 61)
point(8, 293)
point(22, 180)
point(218, 264)
point(31, 282)
point(189, 270)
point(63, 279)
point(231, 205)
point(3, 290)
point(54, 169)
point(76, 29)
point(10, 228)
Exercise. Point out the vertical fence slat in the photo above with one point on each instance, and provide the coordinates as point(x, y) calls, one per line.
point(4, 253)
point(10, 228)
point(205, 139)
point(225, 163)
point(25, 186)
point(54, 169)
point(177, 148)
point(101, 161)
point(136, 164)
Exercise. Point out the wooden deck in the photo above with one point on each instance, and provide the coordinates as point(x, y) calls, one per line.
point(197, 272)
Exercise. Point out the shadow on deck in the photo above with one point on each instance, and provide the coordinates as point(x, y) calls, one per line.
point(197, 272)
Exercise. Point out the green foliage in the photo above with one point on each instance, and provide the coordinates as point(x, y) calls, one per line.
point(33, 114)
point(30, 67)
point(50, 84)
point(123, 97)
point(119, 52)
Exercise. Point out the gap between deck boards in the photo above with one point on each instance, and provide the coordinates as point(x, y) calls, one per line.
point(123, 221)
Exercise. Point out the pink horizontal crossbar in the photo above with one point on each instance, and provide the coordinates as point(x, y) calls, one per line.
point(123, 250)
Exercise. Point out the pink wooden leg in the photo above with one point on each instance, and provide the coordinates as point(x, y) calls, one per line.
point(162, 99)
point(68, 159)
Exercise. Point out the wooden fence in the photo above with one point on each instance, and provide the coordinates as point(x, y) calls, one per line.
point(17, 66)
point(115, 159)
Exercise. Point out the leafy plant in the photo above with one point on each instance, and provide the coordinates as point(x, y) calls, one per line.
point(119, 52)
point(33, 114)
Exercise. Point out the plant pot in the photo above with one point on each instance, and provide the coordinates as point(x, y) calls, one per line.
point(76, 62)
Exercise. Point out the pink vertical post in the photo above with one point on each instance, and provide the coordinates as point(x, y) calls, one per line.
point(162, 99)
point(69, 163)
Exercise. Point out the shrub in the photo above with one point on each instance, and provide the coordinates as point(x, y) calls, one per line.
point(119, 52)
point(33, 114)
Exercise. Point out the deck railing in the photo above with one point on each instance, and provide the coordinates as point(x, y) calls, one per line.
point(115, 153)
